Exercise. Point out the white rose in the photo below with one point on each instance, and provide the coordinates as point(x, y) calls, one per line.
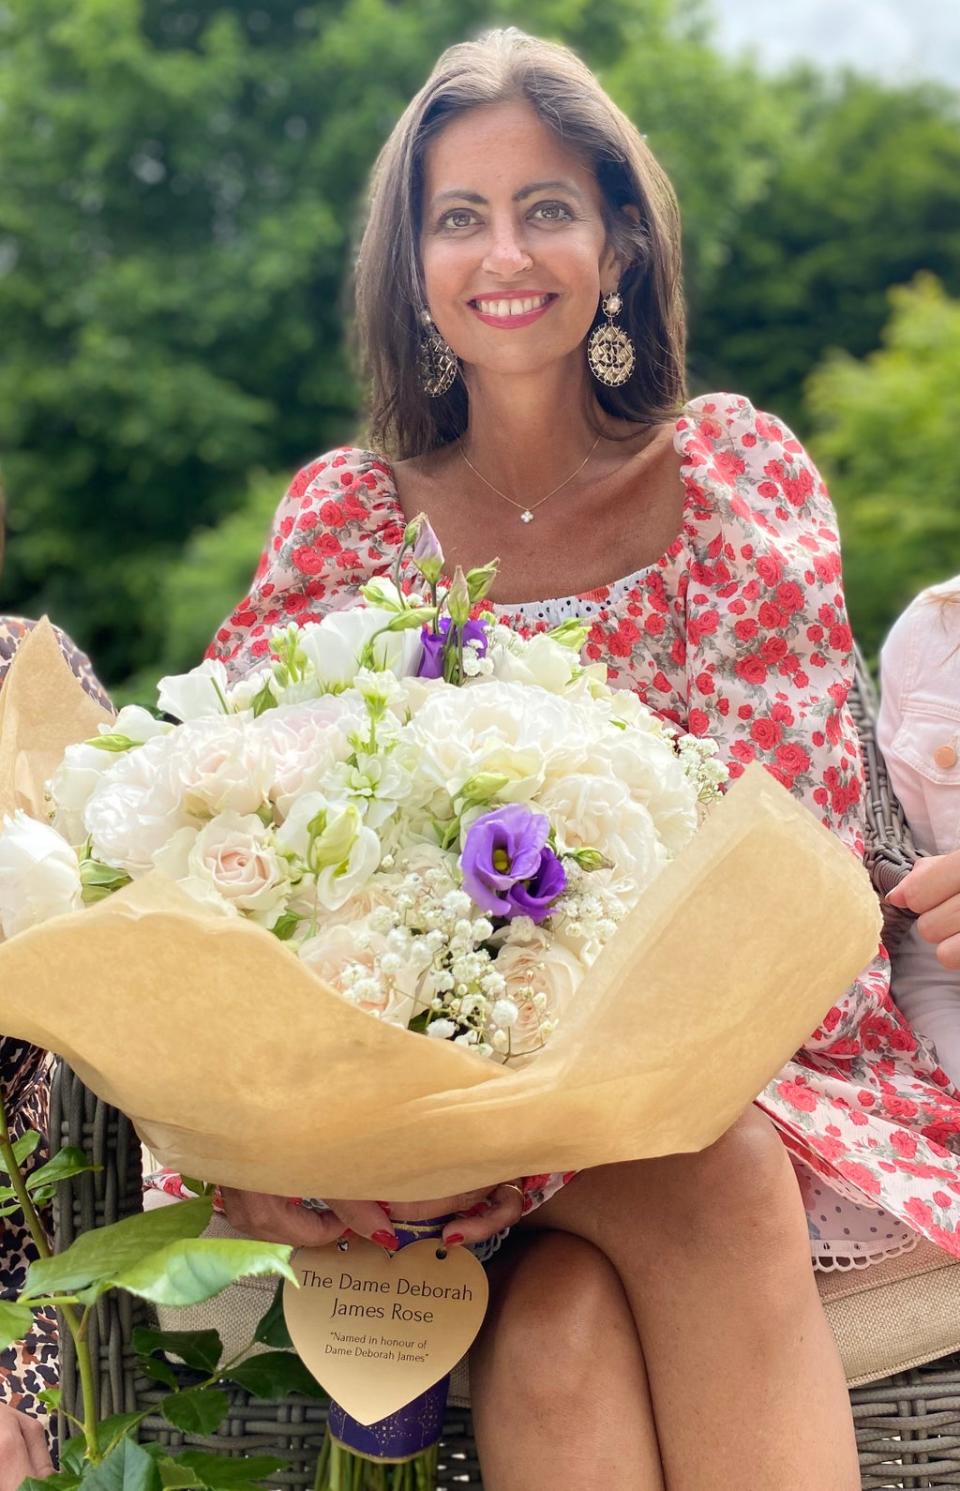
point(235, 855)
point(533, 964)
point(335, 646)
point(595, 812)
point(39, 874)
point(195, 695)
point(304, 742)
point(221, 766)
point(137, 806)
point(84, 764)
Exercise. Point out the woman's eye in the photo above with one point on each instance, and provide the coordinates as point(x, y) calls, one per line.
point(552, 212)
point(460, 217)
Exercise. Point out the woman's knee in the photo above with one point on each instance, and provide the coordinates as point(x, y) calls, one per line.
point(738, 1196)
point(555, 1304)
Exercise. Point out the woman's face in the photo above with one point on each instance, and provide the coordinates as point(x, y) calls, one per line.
point(513, 243)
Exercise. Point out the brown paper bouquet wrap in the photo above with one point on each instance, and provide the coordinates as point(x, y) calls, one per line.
point(238, 1064)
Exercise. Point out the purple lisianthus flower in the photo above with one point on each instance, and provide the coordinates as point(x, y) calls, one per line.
point(507, 866)
point(431, 662)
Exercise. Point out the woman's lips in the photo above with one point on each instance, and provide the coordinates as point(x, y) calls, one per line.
point(510, 312)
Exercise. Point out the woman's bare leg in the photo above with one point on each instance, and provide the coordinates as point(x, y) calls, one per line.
point(745, 1376)
point(557, 1380)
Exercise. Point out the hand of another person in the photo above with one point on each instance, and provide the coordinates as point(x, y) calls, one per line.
point(23, 1449)
point(932, 892)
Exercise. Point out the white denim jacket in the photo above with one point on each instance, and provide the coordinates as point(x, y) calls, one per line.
point(918, 732)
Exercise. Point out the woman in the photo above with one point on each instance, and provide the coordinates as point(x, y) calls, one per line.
point(521, 319)
point(31, 1365)
point(919, 733)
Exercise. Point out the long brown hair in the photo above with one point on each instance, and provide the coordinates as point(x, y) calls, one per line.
point(499, 67)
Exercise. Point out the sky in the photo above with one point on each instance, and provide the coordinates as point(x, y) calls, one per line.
point(898, 40)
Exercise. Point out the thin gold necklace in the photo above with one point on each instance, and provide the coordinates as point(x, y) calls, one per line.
point(527, 512)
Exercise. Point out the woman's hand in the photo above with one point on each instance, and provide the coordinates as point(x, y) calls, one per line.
point(476, 1215)
point(932, 892)
point(23, 1449)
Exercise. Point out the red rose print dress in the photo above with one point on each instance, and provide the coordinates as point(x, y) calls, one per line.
point(738, 631)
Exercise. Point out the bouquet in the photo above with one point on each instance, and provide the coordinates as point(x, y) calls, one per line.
point(443, 820)
point(407, 821)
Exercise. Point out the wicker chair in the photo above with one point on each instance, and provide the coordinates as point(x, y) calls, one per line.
point(908, 1426)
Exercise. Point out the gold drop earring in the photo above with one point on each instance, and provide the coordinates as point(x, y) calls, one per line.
point(437, 361)
point(610, 351)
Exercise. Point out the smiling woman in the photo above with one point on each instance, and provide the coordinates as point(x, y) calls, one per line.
point(521, 321)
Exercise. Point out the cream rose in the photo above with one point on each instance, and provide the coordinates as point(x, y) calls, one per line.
point(542, 979)
point(338, 953)
point(235, 855)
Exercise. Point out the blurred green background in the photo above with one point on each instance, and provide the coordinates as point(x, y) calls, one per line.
point(180, 182)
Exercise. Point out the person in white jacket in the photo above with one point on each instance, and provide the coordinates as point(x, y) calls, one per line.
point(918, 732)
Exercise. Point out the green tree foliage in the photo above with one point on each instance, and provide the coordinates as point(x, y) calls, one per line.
point(886, 432)
point(862, 192)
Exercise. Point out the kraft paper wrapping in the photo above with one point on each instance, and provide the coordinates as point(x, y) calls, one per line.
point(239, 1065)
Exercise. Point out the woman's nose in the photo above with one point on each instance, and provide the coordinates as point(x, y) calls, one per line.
point(506, 252)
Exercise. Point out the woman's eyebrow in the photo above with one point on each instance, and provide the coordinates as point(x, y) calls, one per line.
point(460, 194)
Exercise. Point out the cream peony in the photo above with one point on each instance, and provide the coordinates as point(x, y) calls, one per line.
point(221, 766)
point(595, 812)
point(137, 806)
point(39, 874)
point(304, 743)
point(84, 764)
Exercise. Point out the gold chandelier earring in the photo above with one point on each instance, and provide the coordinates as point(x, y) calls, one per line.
point(437, 361)
point(610, 351)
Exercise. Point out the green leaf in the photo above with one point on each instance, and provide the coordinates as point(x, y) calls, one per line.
point(111, 1430)
point(24, 1147)
point(272, 1327)
point(274, 1374)
point(65, 1163)
point(51, 1396)
point(158, 1371)
point(197, 1410)
point(200, 1350)
point(187, 1273)
point(285, 925)
point(126, 1468)
point(97, 1257)
point(230, 1475)
point(174, 1477)
point(15, 1321)
point(420, 1022)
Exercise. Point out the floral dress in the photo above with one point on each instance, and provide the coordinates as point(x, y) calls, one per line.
point(31, 1365)
point(739, 631)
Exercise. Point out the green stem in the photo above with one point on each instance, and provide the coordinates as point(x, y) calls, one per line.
point(77, 1326)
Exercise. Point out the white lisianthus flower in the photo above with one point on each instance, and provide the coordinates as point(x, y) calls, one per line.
point(243, 693)
point(137, 806)
point(335, 646)
point(234, 853)
point(39, 874)
point(85, 763)
point(336, 852)
point(538, 660)
point(195, 695)
point(541, 979)
point(221, 766)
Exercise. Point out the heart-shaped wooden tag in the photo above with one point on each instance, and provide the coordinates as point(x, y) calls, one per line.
point(377, 1329)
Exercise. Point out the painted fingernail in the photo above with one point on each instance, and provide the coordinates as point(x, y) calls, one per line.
point(385, 1239)
point(452, 1238)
